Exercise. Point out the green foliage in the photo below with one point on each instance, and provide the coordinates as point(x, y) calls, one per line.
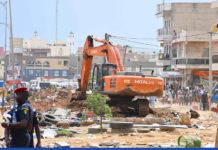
point(97, 104)
point(64, 132)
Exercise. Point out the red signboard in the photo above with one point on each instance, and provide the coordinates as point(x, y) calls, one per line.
point(11, 82)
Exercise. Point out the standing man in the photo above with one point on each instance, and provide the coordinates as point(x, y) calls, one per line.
point(21, 121)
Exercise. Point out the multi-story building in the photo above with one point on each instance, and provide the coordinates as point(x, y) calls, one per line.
point(184, 36)
point(47, 67)
point(38, 58)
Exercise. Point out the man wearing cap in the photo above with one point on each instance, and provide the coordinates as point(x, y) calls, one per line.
point(22, 120)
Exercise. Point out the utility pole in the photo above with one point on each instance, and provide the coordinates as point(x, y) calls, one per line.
point(6, 27)
point(56, 35)
point(210, 64)
point(124, 57)
point(12, 46)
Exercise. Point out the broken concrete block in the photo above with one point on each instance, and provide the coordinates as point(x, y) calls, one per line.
point(96, 130)
point(121, 125)
point(122, 130)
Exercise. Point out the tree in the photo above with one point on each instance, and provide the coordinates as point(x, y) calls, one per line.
point(97, 104)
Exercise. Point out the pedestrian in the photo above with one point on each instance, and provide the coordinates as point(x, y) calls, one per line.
point(214, 99)
point(204, 100)
point(21, 121)
point(152, 101)
point(37, 131)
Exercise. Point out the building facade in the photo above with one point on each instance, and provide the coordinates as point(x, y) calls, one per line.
point(185, 38)
point(38, 58)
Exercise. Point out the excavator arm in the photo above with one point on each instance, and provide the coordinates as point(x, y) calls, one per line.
point(106, 50)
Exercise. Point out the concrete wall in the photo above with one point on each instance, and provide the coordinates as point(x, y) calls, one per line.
point(60, 50)
point(56, 62)
point(193, 16)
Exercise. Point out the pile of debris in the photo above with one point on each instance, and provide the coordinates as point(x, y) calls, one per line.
point(58, 117)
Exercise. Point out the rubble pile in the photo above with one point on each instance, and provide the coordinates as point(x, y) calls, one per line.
point(60, 122)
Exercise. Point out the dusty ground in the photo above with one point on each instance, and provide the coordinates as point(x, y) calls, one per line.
point(45, 100)
point(156, 137)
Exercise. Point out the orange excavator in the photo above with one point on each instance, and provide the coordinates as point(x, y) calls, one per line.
point(126, 90)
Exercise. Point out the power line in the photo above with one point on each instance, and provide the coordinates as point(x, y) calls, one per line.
point(138, 42)
point(144, 38)
point(135, 47)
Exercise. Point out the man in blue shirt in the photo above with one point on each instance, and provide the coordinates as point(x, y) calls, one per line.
point(22, 120)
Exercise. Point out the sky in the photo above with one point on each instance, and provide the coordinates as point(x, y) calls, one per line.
point(128, 18)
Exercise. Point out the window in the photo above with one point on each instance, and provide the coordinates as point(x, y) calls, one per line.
point(205, 52)
point(56, 73)
point(60, 52)
point(59, 63)
point(30, 72)
point(45, 73)
point(65, 63)
point(64, 73)
point(194, 7)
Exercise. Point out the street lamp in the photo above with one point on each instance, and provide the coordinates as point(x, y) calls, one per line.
point(6, 25)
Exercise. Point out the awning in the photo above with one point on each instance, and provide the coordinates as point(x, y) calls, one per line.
point(200, 73)
point(171, 74)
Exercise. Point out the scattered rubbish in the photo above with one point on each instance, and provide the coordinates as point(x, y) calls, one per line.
point(194, 114)
point(189, 141)
point(74, 124)
point(123, 134)
point(93, 145)
point(51, 146)
point(133, 134)
point(51, 119)
point(141, 130)
point(63, 124)
point(167, 128)
point(201, 127)
point(49, 133)
point(60, 112)
point(209, 145)
point(161, 145)
point(109, 144)
point(61, 145)
point(185, 120)
point(96, 130)
point(64, 132)
point(89, 135)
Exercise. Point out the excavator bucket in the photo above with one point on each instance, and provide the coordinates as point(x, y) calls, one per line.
point(77, 95)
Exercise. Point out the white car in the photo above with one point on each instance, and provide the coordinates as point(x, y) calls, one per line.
point(34, 87)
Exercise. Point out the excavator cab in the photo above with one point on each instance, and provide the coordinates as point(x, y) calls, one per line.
point(99, 71)
point(107, 69)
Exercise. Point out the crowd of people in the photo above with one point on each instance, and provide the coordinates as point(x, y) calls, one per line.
point(187, 96)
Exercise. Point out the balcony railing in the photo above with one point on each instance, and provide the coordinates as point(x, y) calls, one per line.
point(163, 7)
point(164, 34)
point(190, 61)
point(37, 65)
